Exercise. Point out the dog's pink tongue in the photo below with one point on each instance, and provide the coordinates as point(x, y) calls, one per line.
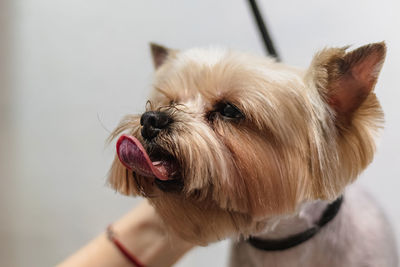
point(132, 155)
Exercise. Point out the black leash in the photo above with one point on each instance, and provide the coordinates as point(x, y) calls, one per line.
point(269, 45)
point(285, 243)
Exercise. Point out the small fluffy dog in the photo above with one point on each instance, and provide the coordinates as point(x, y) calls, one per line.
point(234, 145)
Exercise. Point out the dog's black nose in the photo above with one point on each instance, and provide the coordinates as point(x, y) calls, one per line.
point(153, 122)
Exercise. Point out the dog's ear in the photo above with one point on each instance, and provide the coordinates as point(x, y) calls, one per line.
point(159, 54)
point(345, 79)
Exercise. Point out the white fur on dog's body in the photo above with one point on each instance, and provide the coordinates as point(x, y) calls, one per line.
point(359, 236)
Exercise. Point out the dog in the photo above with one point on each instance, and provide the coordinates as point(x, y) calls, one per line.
point(238, 146)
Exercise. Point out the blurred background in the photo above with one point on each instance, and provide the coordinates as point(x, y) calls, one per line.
point(70, 69)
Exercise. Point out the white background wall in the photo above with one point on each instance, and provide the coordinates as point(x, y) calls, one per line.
point(76, 67)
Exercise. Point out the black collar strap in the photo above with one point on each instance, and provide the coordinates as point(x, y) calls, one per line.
point(296, 239)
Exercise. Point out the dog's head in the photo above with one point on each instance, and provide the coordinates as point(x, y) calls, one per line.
point(229, 139)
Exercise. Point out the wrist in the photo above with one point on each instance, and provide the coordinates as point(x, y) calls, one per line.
point(143, 233)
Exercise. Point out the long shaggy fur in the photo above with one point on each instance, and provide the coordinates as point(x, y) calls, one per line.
point(294, 144)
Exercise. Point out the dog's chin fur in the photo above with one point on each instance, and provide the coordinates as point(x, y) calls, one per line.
point(304, 136)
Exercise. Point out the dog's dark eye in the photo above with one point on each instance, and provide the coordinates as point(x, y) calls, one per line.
point(230, 111)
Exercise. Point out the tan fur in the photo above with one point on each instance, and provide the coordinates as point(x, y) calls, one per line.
point(293, 145)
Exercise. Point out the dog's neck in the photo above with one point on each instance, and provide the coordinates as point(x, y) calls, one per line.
point(279, 232)
point(303, 219)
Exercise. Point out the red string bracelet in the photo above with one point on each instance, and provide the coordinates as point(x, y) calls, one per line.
point(132, 259)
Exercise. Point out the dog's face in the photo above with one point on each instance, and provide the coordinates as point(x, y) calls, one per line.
point(229, 140)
